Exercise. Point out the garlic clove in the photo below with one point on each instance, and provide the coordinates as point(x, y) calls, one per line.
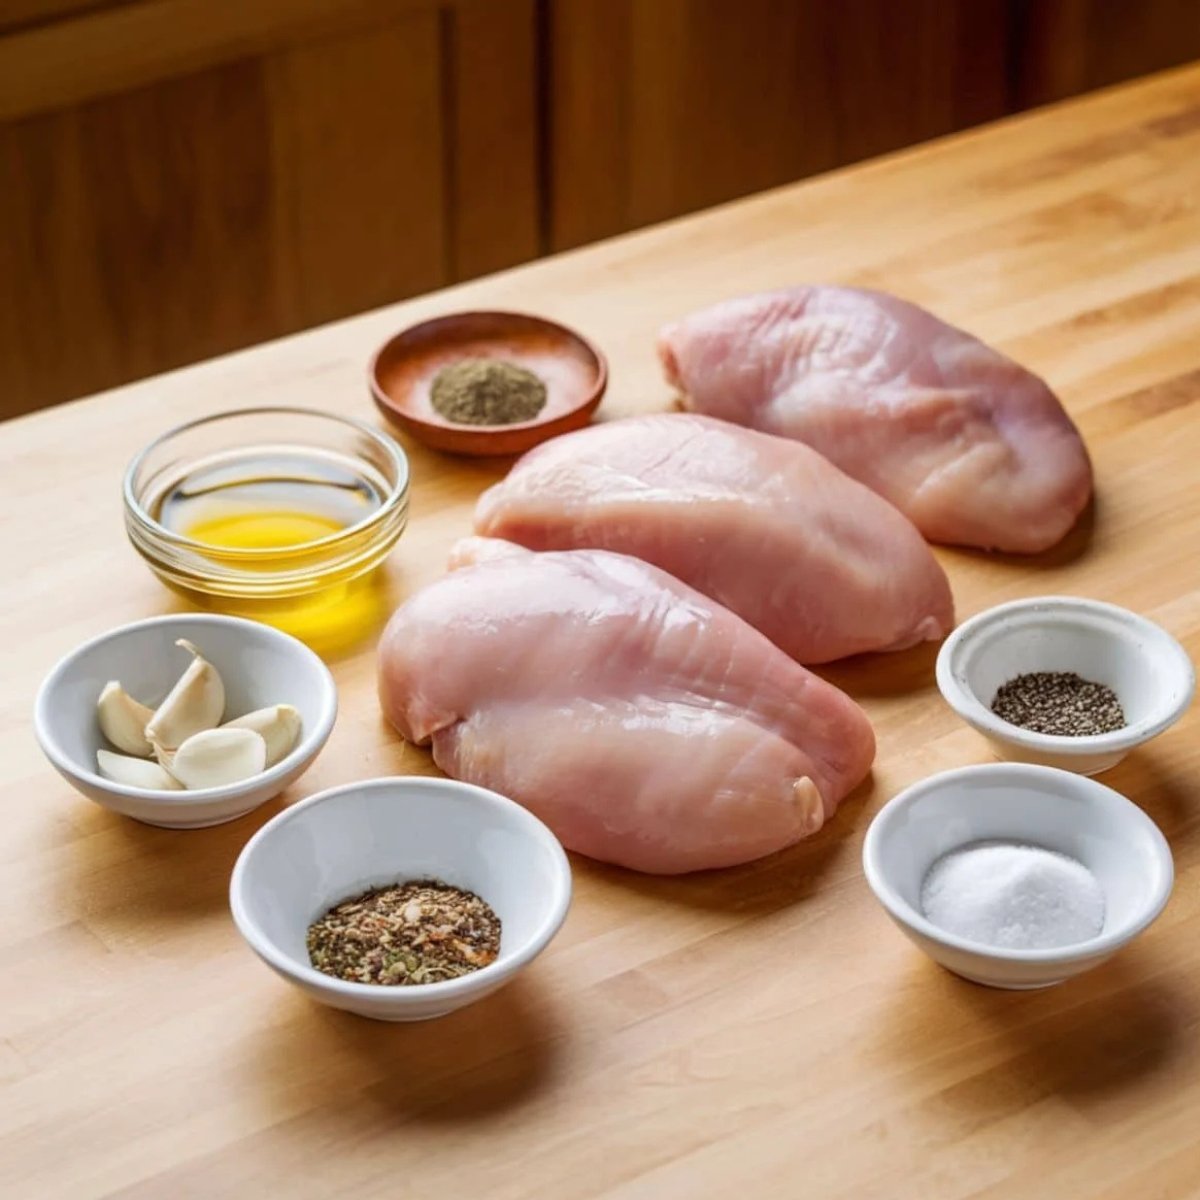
point(123, 720)
point(195, 703)
point(215, 757)
point(278, 725)
point(135, 772)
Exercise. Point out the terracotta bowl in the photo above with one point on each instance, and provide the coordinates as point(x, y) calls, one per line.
point(402, 371)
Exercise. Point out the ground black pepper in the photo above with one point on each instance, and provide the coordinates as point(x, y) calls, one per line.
point(1060, 703)
point(487, 391)
point(411, 933)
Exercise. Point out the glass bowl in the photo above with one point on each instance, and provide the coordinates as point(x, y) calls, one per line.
point(318, 588)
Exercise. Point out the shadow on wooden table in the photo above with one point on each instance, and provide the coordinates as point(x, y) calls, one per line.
point(897, 674)
point(134, 873)
point(1072, 547)
point(1102, 1033)
point(489, 1057)
point(1170, 804)
point(1100, 1037)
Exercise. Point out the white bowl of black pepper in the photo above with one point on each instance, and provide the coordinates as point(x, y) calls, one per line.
point(1065, 682)
point(401, 899)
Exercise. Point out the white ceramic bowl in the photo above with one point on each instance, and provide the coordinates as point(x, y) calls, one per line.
point(259, 666)
point(350, 839)
point(1146, 667)
point(1039, 806)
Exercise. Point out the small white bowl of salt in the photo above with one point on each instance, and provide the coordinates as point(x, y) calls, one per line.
point(1016, 875)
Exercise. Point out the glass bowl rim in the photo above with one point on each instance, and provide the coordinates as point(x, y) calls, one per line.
point(396, 497)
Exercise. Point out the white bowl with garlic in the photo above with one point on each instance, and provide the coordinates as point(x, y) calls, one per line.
point(185, 721)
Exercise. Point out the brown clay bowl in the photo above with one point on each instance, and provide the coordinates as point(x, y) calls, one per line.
point(402, 370)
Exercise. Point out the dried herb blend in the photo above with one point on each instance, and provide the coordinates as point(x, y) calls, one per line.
point(411, 933)
point(487, 391)
point(1060, 703)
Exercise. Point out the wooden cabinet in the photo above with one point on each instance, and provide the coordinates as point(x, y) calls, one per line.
point(663, 107)
point(1064, 47)
point(179, 178)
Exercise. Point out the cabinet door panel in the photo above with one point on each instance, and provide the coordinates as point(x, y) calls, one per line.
point(148, 227)
point(131, 235)
point(1071, 46)
point(357, 161)
point(659, 108)
point(493, 58)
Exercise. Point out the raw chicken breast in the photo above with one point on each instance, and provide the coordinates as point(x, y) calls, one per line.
point(766, 526)
point(646, 725)
point(971, 446)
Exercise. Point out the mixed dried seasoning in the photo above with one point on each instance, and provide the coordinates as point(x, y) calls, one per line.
point(423, 931)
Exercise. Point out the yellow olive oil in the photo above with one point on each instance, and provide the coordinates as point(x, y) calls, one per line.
point(263, 530)
point(269, 502)
point(288, 499)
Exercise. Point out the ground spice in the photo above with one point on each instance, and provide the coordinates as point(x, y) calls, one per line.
point(1059, 702)
point(487, 391)
point(411, 933)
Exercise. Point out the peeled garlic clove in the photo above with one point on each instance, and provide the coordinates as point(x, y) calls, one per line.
point(195, 703)
point(123, 720)
point(215, 757)
point(134, 772)
point(277, 725)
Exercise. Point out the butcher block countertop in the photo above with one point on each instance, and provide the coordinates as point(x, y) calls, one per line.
point(760, 1032)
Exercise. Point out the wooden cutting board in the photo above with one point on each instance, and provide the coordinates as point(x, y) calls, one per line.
point(761, 1032)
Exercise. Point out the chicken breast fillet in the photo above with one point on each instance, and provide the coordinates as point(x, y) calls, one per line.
point(971, 446)
point(765, 526)
point(645, 724)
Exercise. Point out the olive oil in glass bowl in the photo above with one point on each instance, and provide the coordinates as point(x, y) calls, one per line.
point(279, 514)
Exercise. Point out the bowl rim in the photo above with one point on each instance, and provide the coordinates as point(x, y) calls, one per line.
point(1063, 782)
point(557, 906)
point(963, 700)
point(311, 739)
point(413, 421)
point(397, 496)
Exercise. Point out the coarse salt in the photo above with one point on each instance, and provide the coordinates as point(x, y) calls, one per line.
point(1014, 896)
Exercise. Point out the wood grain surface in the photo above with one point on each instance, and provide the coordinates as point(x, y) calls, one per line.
point(762, 1031)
